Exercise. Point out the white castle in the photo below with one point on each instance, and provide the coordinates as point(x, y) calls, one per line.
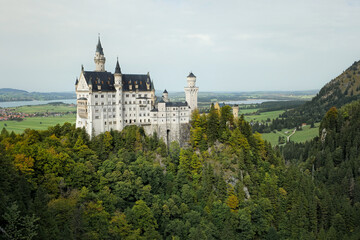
point(110, 101)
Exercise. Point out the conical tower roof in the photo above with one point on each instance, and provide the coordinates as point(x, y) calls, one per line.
point(99, 48)
point(117, 68)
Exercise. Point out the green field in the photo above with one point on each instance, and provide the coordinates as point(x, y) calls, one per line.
point(263, 116)
point(306, 134)
point(46, 108)
point(300, 136)
point(34, 123)
point(248, 111)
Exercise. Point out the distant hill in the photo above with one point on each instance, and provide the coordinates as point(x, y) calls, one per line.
point(11, 90)
point(342, 90)
point(10, 94)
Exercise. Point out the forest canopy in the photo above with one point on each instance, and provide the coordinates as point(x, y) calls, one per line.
point(227, 183)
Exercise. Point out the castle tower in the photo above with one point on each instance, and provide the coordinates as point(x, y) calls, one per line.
point(99, 58)
point(235, 109)
point(119, 95)
point(165, 96)
point(191, 91)
point(117, 75)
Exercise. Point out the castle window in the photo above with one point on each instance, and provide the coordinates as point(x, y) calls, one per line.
point(133, 95)
point(102, 103)
point(113, 116)
point(113, 95)
point(127, 95)
point(104, 109)
point(96, 96)
point(140, 120)
point(102, 96)
point(126, 121)
point(113, 109)
point(133, 102)
point(145, 95)
point(114, 122)
point(148, 120)
point(173, 120)
point(105, 123)
point(96, 117)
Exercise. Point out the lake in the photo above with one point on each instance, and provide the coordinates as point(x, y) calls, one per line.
point(24, 103)
point(252, 101)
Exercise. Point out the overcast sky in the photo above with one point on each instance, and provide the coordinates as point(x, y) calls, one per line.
point(229, 45)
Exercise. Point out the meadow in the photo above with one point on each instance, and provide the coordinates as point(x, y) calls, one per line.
point(300, 136)
point(46, 108)
point(37, 123)
point(261, 117)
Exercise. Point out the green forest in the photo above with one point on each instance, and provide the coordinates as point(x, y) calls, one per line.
point(227, 183)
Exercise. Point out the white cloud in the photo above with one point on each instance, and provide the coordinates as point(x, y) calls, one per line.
point(203, 39)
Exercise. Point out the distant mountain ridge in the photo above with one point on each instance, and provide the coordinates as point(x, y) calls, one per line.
point(344, 89)
point(11, 94)
point(11, 90)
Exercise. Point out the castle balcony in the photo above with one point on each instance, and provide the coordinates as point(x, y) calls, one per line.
point(82, 107)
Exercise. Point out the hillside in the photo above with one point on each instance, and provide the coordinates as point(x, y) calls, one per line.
point(10, 94)
point(11, 90)
point(229, 184)
point(342, 90)
point(333, 161)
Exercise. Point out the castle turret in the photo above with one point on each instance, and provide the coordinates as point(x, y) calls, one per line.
point(119, 98)
point(99, 58)
point(165, 96)
point(117, 75)
point(191, 91)
point(235, 109)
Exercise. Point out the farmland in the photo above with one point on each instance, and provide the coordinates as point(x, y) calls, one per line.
point(263, 116)
point(300, 136)
point(37, 123)
point(47, 108)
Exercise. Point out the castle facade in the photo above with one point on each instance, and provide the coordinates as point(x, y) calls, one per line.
point(111, 101)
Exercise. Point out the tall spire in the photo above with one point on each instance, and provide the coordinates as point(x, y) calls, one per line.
point(99, 48)
point(99, 58)
point(117, 68)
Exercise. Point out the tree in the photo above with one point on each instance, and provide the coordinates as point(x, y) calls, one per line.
point(213, 125)
point(143, 220)
point(18, 226)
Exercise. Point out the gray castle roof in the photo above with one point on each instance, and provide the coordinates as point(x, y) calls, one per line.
point(176, 104)
point(99, 48)
point(106, 81)
point(191, 75)
point(117, 68)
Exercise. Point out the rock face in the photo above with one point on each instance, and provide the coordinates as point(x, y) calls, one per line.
point(172, 132)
